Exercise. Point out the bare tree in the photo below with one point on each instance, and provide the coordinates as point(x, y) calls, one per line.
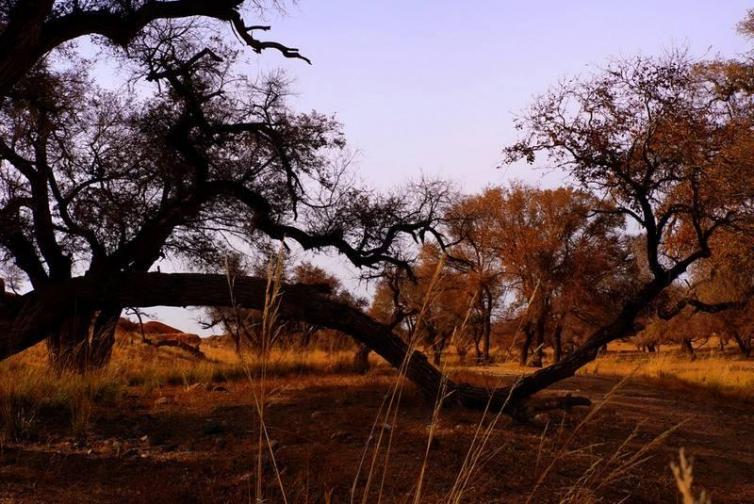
point(31, 29)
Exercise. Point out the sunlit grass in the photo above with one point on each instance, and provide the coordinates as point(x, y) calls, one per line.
point(30, 391)
point(718, 375)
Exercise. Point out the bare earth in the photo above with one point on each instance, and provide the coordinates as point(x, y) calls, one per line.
point(197, 445)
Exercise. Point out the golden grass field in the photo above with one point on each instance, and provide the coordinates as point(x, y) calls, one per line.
point(158, 427)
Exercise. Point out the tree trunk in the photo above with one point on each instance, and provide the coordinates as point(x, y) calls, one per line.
point(31, 316)
point(744, 346)
point(478, 355)
point(539, 349)
point(557, 343)
point(361, 359)
point(523, 359)
point(486, 325)
point(687, 347)
point(68, 341)
point(103, 336)
point(83, 340)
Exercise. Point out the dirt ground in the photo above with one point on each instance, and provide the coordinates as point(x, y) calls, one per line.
point(182, 444)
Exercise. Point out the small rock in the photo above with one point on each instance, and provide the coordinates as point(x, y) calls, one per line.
point(316, 414)
point(162, 400)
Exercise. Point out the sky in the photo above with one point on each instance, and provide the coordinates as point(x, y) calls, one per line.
point(431, 88)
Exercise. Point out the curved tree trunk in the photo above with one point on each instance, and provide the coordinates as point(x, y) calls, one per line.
point(32, 315)
point(103, 336)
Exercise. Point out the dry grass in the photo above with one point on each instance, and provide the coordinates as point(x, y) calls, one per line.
point(683, 472)
point(30, 392)
point(724, 377)
point(31, 396)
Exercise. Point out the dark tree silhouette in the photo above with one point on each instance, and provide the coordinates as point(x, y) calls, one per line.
point(31, 29)
point(96, 182)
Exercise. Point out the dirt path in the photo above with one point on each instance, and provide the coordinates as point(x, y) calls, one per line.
point(198, 445)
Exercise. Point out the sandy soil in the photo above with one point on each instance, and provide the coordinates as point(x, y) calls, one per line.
point(199, 445)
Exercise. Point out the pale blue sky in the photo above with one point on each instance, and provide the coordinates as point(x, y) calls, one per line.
point(432, 87)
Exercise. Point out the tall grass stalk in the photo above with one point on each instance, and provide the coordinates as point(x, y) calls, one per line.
point(478, 445)
point(387, 414)
point(439, 400)
point(559, 454)
point(268, 333)
point(683, 472)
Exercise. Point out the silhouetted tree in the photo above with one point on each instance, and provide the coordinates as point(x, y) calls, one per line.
point(96, 183)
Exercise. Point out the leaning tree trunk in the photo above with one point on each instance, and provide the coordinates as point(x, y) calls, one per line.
point(103, 336)
point(26, 320)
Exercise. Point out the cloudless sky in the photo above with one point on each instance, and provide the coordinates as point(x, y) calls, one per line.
point(432, 87)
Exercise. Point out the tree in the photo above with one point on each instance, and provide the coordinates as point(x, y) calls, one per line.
point(728, 278)
point(431, 305)
point(472, 227)
point(650, 139)
point(563, 256)
point(96, 183)
point(31, 29)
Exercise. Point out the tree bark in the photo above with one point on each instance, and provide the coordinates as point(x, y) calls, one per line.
point(68, 341)
point(557, 342)
point(361, 359)
point(744, 346)
point(523, 358)
point(103, 337)
point(539, 349)
point(83, 340)
point(687, 347)
point(486, 325)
